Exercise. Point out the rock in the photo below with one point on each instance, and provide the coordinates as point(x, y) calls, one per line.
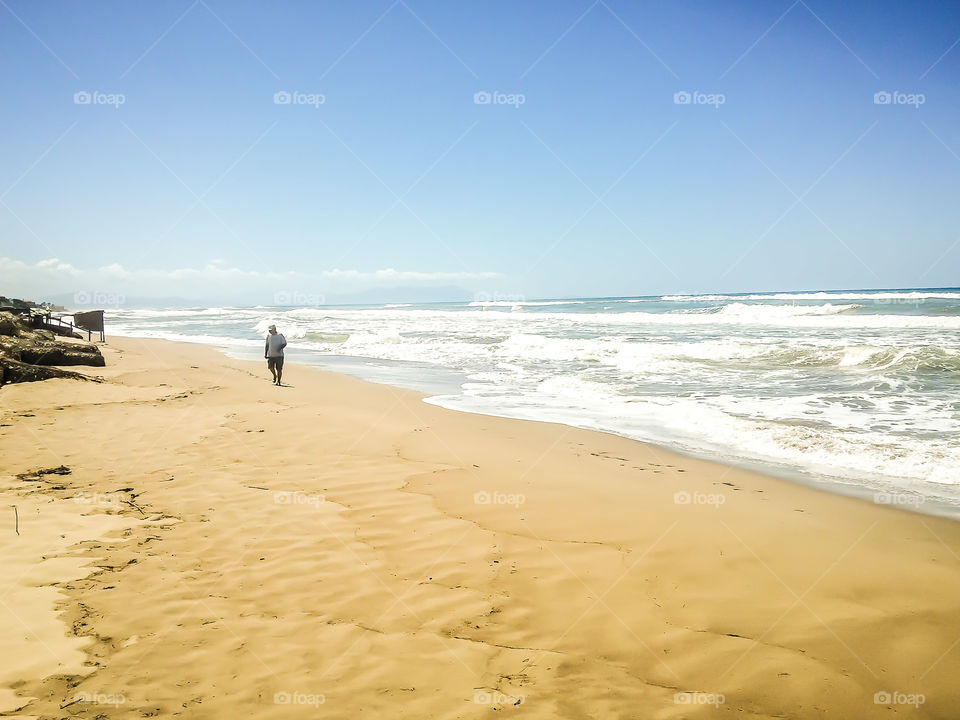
point(25, 353)
point(35, 475)
point(11, 325)
point(9, 347)
point(51, 331)
point(55, 353)
point(13, 371)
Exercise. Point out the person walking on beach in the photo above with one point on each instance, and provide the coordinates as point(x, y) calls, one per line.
point(273, 352)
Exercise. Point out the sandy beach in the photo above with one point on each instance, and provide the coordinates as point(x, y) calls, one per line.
point(204, 544)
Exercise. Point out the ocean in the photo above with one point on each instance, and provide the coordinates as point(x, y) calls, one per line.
point(858, 391)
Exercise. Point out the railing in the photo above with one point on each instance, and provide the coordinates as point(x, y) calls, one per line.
point(49, 319)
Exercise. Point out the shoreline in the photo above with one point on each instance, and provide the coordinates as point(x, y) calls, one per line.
point(865, 488)
point(343, 540)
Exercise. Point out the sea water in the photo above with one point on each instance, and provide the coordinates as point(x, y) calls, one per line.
point(860, 389)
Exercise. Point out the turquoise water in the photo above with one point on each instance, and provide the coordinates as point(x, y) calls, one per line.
point(856, 387)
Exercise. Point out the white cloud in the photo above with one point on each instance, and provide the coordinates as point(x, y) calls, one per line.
point(52, 277)
point(52, 265)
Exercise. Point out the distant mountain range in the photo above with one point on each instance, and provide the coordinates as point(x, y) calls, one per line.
point(373, 296)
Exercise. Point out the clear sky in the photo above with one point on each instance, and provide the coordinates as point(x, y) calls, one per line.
point(187, 175)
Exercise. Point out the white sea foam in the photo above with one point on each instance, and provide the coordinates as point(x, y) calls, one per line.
point(856, 386)
point(875, 296)
point(735, 313)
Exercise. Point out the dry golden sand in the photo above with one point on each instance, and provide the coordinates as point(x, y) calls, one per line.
point(226, 548)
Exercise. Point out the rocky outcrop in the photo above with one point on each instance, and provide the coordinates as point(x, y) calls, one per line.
point(58, 353)
point(27, 354)
point(10, 325)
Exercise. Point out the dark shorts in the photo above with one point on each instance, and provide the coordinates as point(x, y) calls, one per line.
point(275, 363)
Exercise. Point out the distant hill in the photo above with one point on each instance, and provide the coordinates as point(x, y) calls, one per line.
point(373, 296)
point(87, 301)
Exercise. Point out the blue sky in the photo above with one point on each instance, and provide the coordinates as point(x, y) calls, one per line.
point(588, 178)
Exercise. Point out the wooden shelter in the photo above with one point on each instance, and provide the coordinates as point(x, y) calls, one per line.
point(91, 321)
